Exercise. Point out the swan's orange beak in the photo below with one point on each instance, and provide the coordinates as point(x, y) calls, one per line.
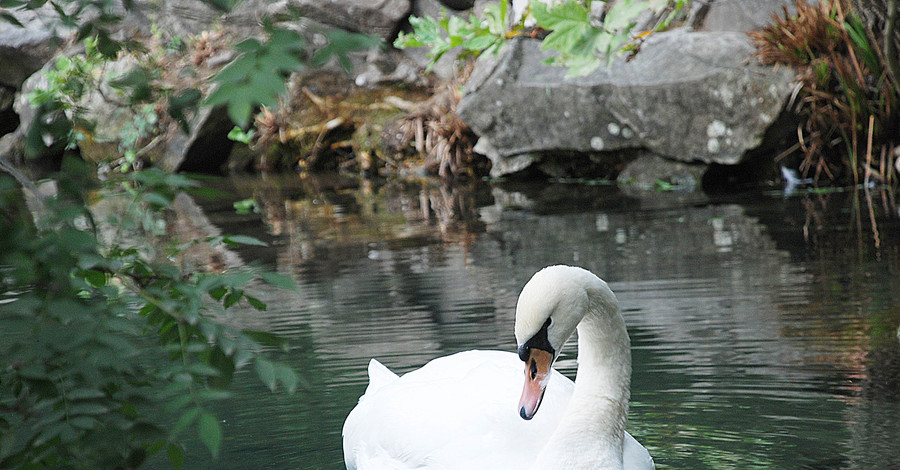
point(537, 374)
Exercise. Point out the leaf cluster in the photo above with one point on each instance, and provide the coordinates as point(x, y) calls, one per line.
point(258, 75)
point(583, 46)
point(474, 35)
point(107, 355)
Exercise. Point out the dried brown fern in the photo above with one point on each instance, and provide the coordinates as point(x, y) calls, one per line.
point(436, 132)
point(847, 100)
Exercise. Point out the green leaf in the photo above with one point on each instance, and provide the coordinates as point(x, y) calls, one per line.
point(83, 422)
point(255, 303)
point(237, 134)
point(287, 377)
point(243, 240)
point(218, 292)
point(94, 278)
point(480, 43)
point(211, 394)
point(237, 279)
point(224, 364)
point(9, 18)
point(623, 14)
point(176, 455)
point(84, 394)
point(266, 372)
point(183, 102)
point(210, 432)
point(278, 280)
point(256, 77)
point(267, 339)
point(246, 206)
point(156, 199)
point(340, 43)
point(186, 419)
point(564, 15)
point(88, 409)
point(232, 297)
point(568, 22)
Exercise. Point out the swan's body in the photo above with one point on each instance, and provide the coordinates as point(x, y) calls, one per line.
point(459, 411)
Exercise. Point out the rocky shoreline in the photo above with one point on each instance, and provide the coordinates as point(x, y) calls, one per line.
point(692, 103)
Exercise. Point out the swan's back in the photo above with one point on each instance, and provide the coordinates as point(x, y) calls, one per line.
point(455, 412)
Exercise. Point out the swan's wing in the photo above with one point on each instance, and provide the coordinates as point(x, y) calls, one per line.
point(635, 455)
point(379, 376)
point(457, 411)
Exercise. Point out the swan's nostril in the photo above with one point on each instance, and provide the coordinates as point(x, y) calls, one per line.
point(533, 369)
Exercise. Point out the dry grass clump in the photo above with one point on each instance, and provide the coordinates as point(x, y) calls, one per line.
point(438, 134)
point(846, 98)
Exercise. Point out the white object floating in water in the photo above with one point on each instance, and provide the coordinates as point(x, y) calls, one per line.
point(461, 411)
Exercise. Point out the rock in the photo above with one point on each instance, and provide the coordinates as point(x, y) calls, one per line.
point(649, 171)
point(745, 15)
point(172, 150)
point(205, 149)
point(688, 96)
point(185, 18)
point(379, 18)
point(8, 118)
point(458, 4)
point(24, 50)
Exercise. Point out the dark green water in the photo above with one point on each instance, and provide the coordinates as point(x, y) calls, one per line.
point(764, 327)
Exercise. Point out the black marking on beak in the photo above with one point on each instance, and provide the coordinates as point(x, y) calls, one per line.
point(540, 340)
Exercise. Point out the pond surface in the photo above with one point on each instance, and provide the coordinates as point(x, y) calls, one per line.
point(764, 327)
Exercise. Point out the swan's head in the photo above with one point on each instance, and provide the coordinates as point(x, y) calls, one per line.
point(549, 309)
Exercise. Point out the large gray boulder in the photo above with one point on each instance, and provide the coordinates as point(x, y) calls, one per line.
point(688, 96)
point(376, 17)
point(744, 15)
point(25, 49)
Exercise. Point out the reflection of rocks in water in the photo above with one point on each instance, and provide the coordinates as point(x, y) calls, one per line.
point(189, 223)
point(182, 222)
point(738, 296)
point(873, 421)
point(400, 308)
point(882, 377)
point(379, 268)
point(874, 436)
point(354, 222)
point(616, 236)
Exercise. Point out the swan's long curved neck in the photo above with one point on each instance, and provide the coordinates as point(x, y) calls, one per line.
point(592, 430)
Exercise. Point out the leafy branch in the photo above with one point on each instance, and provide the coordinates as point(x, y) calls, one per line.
point(257, 76)
point(583, 46)
point(106, 344)
point(475, 35)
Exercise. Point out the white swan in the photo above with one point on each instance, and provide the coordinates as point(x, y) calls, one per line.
point(459, 411)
